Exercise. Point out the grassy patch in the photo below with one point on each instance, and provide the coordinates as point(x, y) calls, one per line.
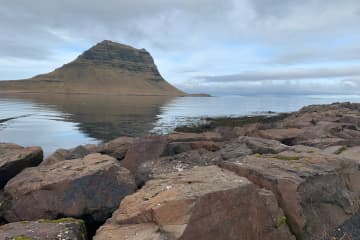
point(60, 220)
point(341, 150)
point(22, 238)
point(287, 158)
point(281, 222)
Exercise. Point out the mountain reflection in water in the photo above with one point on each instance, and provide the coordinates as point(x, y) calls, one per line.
point(63, 121)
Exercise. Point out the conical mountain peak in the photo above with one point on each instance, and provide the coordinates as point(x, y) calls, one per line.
point(107, 67)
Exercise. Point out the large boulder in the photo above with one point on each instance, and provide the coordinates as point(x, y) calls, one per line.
point(145, 151)
point(202, 203)
point(177, 163)
point(243, 146)
point(90, 188)
point(64, 229)
point(317, 192)
point(67, 154)
point(116, 148)
point(14, 159)
point(174, 148)
point(202, 156)
point(284, 135)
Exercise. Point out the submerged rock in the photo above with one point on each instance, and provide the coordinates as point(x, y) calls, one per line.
point(202, 203)
point(64, 229)
point(90, 188)
point(14, 159)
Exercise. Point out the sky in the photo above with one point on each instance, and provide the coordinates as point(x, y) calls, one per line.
point(211, 46)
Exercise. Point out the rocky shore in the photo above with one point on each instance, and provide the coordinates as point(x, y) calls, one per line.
point(291, 177)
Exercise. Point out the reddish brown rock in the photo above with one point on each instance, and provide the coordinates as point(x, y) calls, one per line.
point(286, 135)
point(177, 163)
point(202, 203)
point(317, 192)
point(243, 146)
point(152, 148)
point(143, 150)
point(193, 137)
point(90, 188)
point(189, 158)
point(116, 148)
point(14, 159)
point(180, 147)
point(64, 229)
point(320, 126)
point(58, 156)
point(146, 231)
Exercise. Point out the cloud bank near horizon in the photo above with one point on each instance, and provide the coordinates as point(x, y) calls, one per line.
point(229, 46)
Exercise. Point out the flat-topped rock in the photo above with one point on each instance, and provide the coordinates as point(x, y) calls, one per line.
point(64, 229)
point(14, 159)
point(89, 188)
point(317, 192)
point(202, 203)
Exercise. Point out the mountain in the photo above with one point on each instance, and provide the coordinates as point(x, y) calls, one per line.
point(106, 68)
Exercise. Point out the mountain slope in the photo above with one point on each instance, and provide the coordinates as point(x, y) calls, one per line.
point(106, 68)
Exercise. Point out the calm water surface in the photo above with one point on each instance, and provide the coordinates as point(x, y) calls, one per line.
point(65, 121)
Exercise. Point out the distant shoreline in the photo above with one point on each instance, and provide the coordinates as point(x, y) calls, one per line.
point(109, 94)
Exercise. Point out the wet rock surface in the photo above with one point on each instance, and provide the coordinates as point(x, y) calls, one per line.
point(64, 229)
